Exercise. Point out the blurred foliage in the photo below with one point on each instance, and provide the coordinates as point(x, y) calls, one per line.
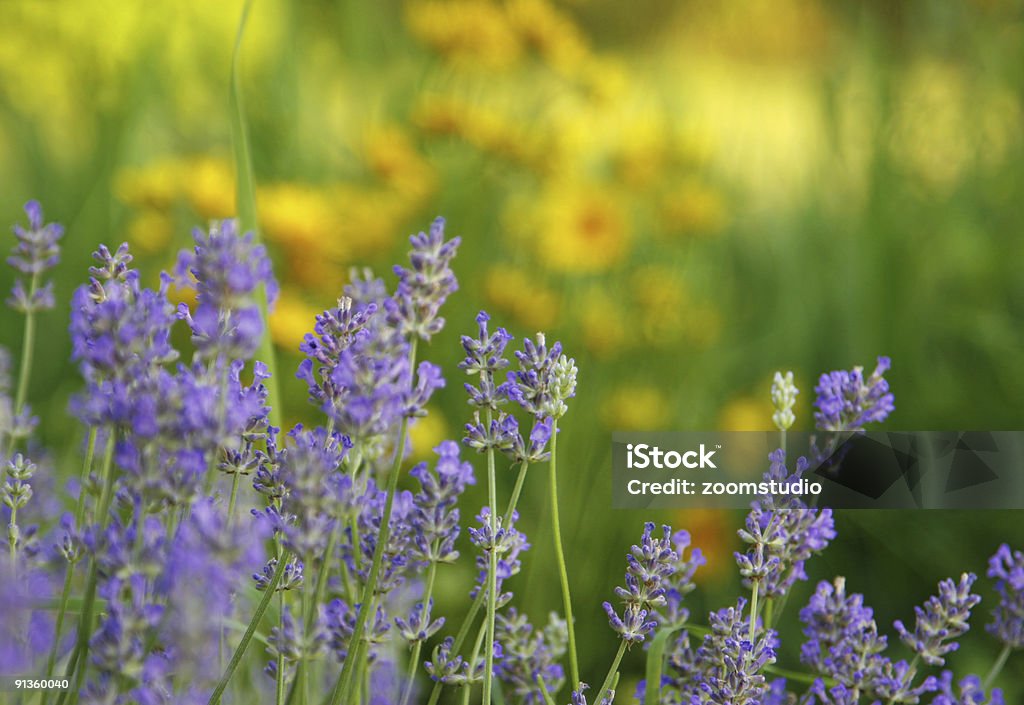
point(690, 195)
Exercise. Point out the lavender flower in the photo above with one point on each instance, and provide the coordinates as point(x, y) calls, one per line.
point(507, 542)
point(418, 627)
point(843, 643)
point(339, 621)
point(545, 379)
point(942, 619)
point(528, 656)
point(35, 253)
point(970, 692)
point(679, 583)
point(485, 357)
point(783, 399)
point(1007, 567)
point(226, 270)
point(730, 662)
point(314, 490)
point(435, 518)
point(13, 426)
point(413, 310)
point(649, 565)
point(848, 402)
point(783, 534)
point(292, 643)
point(293, 576)
point(451, 669)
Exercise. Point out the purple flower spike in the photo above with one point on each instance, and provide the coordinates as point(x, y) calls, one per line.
point(1007, 567)
point(848, 402)
point(424, 288)
point(35, 252)
point(226, 269)
point(943, 618)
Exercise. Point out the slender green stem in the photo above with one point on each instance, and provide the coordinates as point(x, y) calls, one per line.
point(997, 668)
point(51, 660)
point(231, 501)
point(27, 351)
point(611, 672)
point(492, 572)
point(414, 658)
point(369, 590)
point(257, 616)
point(79, 663)
point(245, 197)
point(548, 700)
point(753, 609)
point(474, 609)
point(12, 538)
point(477, 645)
point(563, 574)
point(769, 612)
point(279, 680)
point(516, 491)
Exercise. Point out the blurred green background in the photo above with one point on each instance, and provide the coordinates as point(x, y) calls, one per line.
point(690, 195)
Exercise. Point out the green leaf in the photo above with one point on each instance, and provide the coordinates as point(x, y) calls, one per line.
point(655, 665)
point(245, 197)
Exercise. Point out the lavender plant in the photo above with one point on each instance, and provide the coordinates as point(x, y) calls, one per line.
point(333, 569)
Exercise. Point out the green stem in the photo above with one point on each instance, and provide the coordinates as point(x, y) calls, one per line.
point(90, 453)
point(467, 623)
point(997, 667)
point(769, 612)
point(369, 589)
point(245, 196)
point(548, 700)
point(414, 659)
point(12, 539)
point(563, 574)
point(231, 501)
point(257, 616)
point(279, 680)
point(492, 577)
point(79, 663)
point(753, 609)
point(27, 352)
point(611, 672)
point(516, 491)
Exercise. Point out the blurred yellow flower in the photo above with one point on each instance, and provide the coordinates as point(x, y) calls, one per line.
point(602, 323)
point(662, 304)
point(298, 217)
point(154, 185)
point(290, 320)
point(391, 157)
point(427, 433)
point(149, 231)
point(582, 229)
point(518, 293)
point(693, 207)
point(552, 33)
point(747, 414)
point(209, 185)
point(467, 32)
point(635, 407)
